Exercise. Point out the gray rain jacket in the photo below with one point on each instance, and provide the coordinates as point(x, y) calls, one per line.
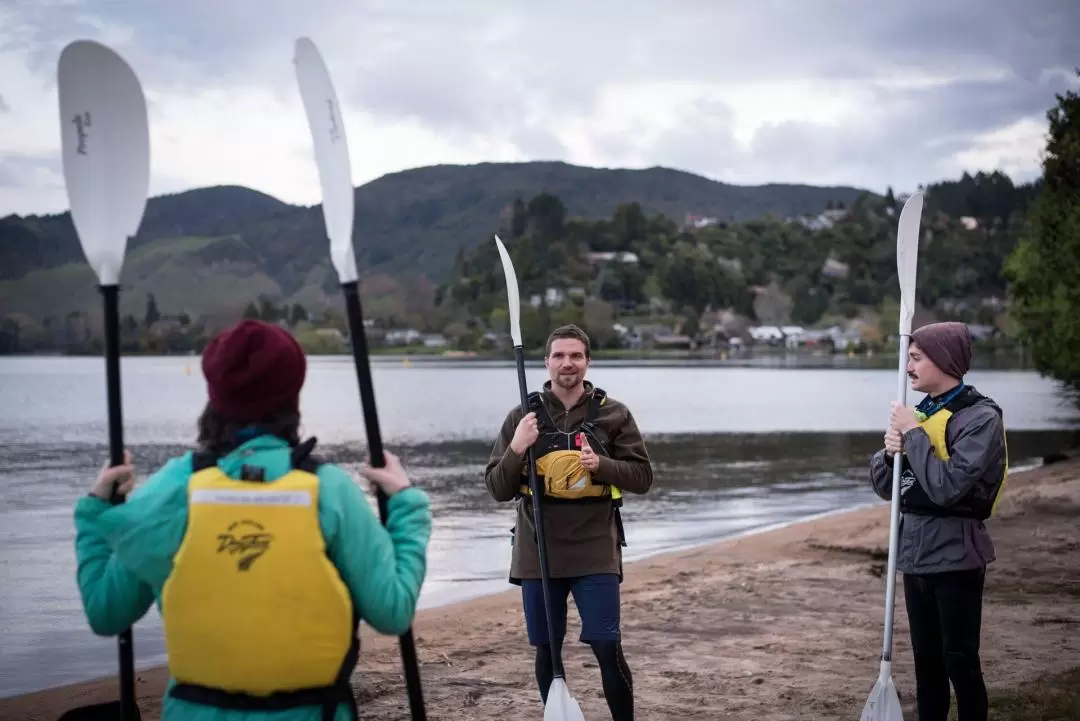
point(975, 439)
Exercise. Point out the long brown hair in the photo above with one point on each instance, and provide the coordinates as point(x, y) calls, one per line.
point(220, 435)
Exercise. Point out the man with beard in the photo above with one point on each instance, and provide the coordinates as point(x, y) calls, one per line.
point(588, 452)
point(955, 461)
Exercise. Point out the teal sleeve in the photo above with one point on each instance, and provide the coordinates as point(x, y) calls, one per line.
point(384, 568)
point(146, 531)
point(113, 597)
point(124, 552)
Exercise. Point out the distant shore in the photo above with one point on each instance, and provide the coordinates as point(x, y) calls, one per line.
point(1001, 358)
point(783, 624)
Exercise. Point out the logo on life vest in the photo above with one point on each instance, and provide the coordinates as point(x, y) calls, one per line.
point(247, 539)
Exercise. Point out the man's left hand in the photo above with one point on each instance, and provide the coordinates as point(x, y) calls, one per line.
point(902, 418)
point(589, 459)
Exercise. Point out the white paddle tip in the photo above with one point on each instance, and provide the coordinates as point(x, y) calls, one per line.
point(331, 151)
point(907, 257)
point(883, 704)
point(560, 705)
point(513, 296)
point(105, 150)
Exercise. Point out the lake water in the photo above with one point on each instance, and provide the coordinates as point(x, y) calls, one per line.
point(736, 449)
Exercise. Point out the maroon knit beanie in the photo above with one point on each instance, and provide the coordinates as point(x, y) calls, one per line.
point(252, 370)
point(947, 345)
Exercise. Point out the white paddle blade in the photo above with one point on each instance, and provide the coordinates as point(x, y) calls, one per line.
point(907, 257)
point(512, 295)
point(331, 154)
point(560, 705)
point(883, 704)
point(105, 144)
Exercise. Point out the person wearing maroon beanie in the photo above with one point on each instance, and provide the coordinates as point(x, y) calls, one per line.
point(954, 465)
point(262, 558)
point(253, 370)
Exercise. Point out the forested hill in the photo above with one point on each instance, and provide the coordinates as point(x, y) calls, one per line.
point(415, 220)
point(831, 269)
point(211, 254)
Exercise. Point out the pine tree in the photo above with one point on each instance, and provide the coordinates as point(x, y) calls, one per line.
point(1044, 268)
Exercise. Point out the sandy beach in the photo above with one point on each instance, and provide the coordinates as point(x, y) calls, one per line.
point(785, 624)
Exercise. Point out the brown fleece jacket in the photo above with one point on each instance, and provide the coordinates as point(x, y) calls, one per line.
point(582, 538)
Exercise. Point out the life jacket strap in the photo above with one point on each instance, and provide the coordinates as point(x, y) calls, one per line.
point(326, 697)
point(300, 458)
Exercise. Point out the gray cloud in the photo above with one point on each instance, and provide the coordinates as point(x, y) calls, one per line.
point(516, 69)
point(4, 107)
point(21, 170)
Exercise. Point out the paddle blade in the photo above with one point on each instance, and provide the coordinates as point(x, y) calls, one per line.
point(907, 257)
point(560, 705)
point(512, 295)
point(108, 711)
point(883, 704)
point(331, 154)
point(105, 143)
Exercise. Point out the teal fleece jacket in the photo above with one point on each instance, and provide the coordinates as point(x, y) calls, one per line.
point(125, 553)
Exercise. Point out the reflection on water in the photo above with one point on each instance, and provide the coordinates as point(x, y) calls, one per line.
point(726, 461)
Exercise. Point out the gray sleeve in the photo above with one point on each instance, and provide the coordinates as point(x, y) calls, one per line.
point(881, 474)
point(977, 447)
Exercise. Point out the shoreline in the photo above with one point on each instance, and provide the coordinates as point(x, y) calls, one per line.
point(464, 599)
point(780, 622)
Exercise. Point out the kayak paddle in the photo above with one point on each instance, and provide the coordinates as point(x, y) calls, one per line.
point(560, 705)
point(883, 703)
point(105, 141)
point(332, 157)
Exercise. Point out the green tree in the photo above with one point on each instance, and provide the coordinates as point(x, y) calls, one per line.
point(599, 317)
point(297, 314)
point(152, 313)
point(1044, 268)
point(547, 215)
point(520, 221)
point(691, 323)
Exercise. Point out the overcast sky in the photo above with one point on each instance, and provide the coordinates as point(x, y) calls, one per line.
point(823, 92)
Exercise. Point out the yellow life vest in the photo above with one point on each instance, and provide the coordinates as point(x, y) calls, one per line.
point(255, 614)
point(935, 423)
point(558, 456)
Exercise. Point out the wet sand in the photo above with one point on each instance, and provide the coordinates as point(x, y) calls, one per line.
point(785, 624)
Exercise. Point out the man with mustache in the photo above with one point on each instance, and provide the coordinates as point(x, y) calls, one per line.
point(955, 462)
point(588, 452)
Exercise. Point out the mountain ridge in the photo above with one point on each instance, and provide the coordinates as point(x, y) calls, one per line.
point(410, 222)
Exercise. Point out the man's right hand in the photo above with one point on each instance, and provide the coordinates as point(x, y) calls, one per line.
point(525, 434)
point(893, 441)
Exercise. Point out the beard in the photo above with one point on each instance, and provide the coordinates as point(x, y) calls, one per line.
point(568, 380)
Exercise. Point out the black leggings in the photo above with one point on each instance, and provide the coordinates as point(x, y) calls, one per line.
point(614, 674)
point(945, 616)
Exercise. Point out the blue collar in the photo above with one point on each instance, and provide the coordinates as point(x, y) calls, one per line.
point(929, 406)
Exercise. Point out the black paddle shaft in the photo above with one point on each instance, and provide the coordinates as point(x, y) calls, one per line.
point(110, 301)
point(538, 519)
point(358, 339)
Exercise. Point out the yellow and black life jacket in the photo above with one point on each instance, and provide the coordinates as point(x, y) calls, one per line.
point(255, 615)
point(934, 417)
point(558, 459)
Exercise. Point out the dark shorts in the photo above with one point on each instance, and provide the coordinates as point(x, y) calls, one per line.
point(597, 600)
